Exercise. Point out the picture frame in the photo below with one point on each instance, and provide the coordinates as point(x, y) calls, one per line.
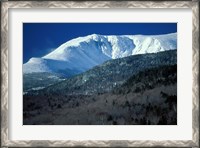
point(7, 5)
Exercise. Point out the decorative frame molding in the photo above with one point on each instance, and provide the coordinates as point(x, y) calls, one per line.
point(5, 5)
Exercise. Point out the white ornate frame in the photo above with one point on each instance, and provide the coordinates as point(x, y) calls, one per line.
point(5, 142)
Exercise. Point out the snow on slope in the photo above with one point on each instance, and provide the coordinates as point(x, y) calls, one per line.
point(83, 53)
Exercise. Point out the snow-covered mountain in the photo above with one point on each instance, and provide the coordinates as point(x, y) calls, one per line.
point(83, 53)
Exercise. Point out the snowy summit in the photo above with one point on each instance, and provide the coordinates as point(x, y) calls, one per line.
point(83, 53)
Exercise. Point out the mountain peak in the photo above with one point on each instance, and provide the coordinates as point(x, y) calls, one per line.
point(83, 53)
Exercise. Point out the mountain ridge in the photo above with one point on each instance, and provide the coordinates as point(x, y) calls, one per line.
point(83, 53)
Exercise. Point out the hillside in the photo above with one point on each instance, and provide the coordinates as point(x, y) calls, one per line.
point(109, 75)
point(148, 79)
point(37, 81)
point(147, 97)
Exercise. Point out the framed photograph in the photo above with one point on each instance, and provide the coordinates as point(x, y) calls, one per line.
point(100, 73)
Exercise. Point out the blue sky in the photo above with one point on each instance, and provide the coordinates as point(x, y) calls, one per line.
point(42, 38)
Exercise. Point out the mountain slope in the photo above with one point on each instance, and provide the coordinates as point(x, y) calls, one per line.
point(111, 74)
point(154, 103)
point(83, 53)
point(36, 81)
point(149, 78)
